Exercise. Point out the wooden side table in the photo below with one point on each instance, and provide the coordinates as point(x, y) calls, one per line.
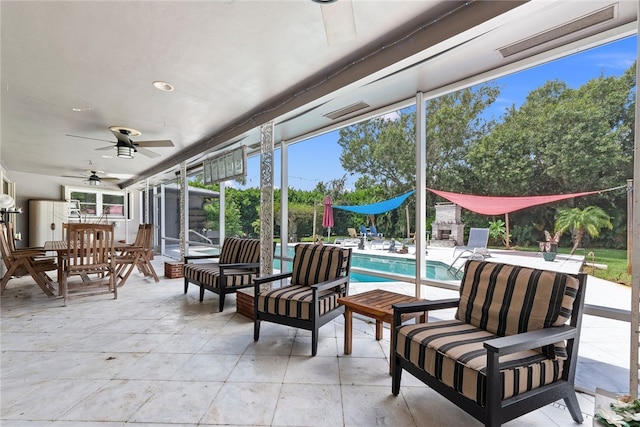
point(376, 304)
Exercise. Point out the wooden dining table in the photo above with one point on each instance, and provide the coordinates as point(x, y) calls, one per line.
point(60, 247)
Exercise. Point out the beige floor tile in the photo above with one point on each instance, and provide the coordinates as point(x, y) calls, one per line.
point(177, 402)
point(309, 405)
point(374, 406)
point(206, 367)
point(312, 370)
point(243, 403)
point(259, 369)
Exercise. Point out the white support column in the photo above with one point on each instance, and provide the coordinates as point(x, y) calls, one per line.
point(634, 246)
point(421, 190)
point(184, 209)
point(222, 200)
point(284, 199)
point(266, 198)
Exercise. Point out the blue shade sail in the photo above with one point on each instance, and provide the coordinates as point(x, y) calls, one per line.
point(377, 208)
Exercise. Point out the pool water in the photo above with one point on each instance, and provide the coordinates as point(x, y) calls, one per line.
point(402, 266)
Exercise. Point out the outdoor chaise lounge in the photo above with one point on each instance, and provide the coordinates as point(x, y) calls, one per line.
point(477, 243)
point(507, 352)
point(236, 267)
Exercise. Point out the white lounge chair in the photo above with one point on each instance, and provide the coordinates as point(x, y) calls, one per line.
point(477, 243)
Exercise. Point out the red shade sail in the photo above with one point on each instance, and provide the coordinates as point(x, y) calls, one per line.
point(498, 205)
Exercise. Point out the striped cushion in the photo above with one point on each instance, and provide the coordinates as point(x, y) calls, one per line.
point(318, 263)
point(209, 273)
point(296, 300)
point(452, 351)
point(235, 250)
point(505, 300)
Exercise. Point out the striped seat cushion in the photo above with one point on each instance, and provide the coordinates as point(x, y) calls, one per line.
point(506, 299)
point(235, 250)
point(295, 301)
point(452, 351)
point(314, 264)
point(209, 273)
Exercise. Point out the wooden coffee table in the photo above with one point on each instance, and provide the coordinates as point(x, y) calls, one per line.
point(377, 305)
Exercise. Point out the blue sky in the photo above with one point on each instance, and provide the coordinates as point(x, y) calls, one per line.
point(317, 160)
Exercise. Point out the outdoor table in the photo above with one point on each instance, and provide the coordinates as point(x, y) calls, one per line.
point(376, 304)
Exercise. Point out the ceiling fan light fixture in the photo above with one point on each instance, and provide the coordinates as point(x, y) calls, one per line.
point(125, 152)
point(94, 179)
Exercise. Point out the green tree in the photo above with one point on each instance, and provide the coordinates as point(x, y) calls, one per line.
point(591, 220)
point(560, 140)
point(383, 149)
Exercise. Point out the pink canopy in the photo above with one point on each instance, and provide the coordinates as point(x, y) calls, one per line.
point(327, 218)
point(499, 205)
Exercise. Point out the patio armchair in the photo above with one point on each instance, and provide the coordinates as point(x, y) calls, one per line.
point(235, 268)
point(320, 275)
point(508, 350)
point(21, 263)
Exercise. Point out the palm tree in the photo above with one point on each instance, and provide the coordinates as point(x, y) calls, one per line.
point(592, 219)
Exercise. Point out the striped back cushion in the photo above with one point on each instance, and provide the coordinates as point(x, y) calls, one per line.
point(506, 299)
point(235, 250)
point(318, 263)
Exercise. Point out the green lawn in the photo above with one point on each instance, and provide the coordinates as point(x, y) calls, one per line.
point(614, 259)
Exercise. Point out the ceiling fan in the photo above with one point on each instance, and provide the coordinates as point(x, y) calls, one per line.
point(125, 147)
point(338, 19)
point(93, 179)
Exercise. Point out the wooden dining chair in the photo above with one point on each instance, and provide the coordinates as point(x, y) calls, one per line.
point(90, 256)
point(25, 263)
point(136, 255)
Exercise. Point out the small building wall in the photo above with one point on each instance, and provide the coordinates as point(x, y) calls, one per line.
point(448, 229)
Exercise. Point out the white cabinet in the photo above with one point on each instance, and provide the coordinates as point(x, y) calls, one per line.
point(45, 220)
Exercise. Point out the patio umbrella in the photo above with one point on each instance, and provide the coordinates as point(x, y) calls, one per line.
point(327, 218)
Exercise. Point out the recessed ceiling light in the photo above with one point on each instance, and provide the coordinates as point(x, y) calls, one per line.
point(163, 86)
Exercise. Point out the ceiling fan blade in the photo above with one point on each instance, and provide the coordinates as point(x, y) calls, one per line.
point(148, 153)
point(111, 147)
point(339, 22)
point(161, 143)
point(73, 176)
point(103, 178)
point(86, 137)
point(121, 137)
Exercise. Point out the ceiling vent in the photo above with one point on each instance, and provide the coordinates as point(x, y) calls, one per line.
point(586, 21)
point(334, 115)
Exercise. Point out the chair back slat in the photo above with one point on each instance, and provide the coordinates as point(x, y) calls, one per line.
point(89, 245)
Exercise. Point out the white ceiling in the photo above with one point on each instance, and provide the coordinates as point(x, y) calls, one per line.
point(236, 64)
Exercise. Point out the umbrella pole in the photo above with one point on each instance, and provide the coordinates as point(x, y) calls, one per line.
point(315, 213)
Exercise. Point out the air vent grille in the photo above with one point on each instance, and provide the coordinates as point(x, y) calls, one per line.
point(347, 110)
point(586, 21)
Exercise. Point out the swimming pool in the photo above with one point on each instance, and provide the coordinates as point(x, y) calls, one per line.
point(435, 270)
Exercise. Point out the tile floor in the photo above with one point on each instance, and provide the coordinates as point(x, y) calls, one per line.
point(157, 357)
